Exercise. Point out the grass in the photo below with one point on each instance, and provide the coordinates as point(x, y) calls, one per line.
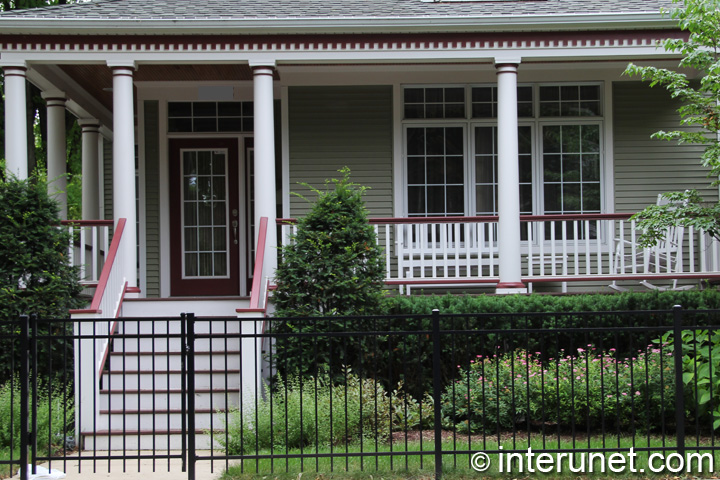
point(347, 464)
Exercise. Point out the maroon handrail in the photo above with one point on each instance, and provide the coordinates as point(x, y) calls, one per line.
point(88, 223)
point(484, 218)
point(107, 268)
point(259, 261)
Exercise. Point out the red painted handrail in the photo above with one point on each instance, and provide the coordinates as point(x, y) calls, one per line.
point(107, 268)
point(484, 218)
point(88, 223)
point(259, 261)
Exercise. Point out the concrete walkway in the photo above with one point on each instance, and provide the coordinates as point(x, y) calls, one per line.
point(87, 469)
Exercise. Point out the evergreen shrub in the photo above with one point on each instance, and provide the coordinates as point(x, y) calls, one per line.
point(331, 267)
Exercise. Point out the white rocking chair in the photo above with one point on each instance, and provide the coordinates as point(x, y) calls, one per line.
point(663, 258)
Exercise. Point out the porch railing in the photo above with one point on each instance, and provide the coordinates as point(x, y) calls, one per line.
point(88, 249)
point(554, 248)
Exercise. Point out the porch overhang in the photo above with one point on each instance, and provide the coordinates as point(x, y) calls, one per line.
point(340, 24)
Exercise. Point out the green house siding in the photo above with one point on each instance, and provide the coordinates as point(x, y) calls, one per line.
point(645, 166)
point(152, 197)
point(107, 178)
point(334, 127)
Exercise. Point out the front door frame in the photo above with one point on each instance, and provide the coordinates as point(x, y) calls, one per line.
point(180, 286)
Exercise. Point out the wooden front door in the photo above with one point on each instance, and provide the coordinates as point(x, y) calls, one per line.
point(204, 217)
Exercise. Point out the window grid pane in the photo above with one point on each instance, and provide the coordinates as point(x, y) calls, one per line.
point(205, 214)
point(570, 101)
point(188, 117)
point(434, 102)
point(486, 180)
point(484, 102)
point(436, 183)
point(571, 170)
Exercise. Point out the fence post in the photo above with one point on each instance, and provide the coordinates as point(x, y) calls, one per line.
point(24, 394)
point(679, 386)
point(183, 390)
point(437, 391)
point(192, 457)
point(34, 396)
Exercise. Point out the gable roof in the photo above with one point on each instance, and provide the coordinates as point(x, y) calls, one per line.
point(273, 15)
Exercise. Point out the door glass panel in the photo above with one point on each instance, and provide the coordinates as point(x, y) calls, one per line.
point(205, 243)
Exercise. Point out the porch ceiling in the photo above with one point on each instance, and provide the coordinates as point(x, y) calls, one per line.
point(97, 79)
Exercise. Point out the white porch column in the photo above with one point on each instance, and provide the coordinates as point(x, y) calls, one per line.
point(265, 201)
point(508, 182)
point(124, 165)
point(90, 169)
point(16, 135)
point(56, 149)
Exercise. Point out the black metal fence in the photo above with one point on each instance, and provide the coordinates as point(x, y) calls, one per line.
point(430, 393)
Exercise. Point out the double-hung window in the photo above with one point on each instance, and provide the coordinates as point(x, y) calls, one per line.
point(450, 143)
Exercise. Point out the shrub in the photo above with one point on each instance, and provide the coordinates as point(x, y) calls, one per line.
point(35, 275)
point(586, 390)
point(331, 266)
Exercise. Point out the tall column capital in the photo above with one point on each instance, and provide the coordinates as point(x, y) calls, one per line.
point(54, 98)
point(122, 65)
point(90, 125)
point(262, 63)
point(506, 68)
point(19, 69)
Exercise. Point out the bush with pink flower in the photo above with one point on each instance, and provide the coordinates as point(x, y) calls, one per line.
point(584, 390)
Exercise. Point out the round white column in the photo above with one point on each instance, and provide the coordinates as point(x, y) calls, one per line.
point(56, 149)
point(265, 200)
point(16, 135)
point(508, 182)
point(90, 169)
point(124, 194)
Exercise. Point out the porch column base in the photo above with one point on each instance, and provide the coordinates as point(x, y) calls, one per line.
point(509, 288)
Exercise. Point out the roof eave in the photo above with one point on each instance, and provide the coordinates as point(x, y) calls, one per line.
point(429, 24)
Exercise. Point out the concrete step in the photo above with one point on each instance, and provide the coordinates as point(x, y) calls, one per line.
point(205, 399)
point(173, 344)
point(140, 440)
point(172, 307)
point(117, 421)
point(162, 362)
point(172, 379)
point(155, 326)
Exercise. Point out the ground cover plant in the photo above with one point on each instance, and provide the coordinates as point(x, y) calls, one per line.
point(55, 418)
point(348, 464)
point(305, 412)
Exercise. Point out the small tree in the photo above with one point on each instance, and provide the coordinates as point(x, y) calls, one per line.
point(700, 109)
point(332, 265)
point(35, 276)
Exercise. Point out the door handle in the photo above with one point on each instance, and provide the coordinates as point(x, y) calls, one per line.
point(235, 230)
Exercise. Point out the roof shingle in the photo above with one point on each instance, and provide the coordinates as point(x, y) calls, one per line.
point(329, 9)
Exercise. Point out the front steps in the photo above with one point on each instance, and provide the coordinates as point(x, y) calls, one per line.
point(140, 397)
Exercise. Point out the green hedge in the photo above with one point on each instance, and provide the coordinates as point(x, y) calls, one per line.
point(407, 358)
point(464, 304)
